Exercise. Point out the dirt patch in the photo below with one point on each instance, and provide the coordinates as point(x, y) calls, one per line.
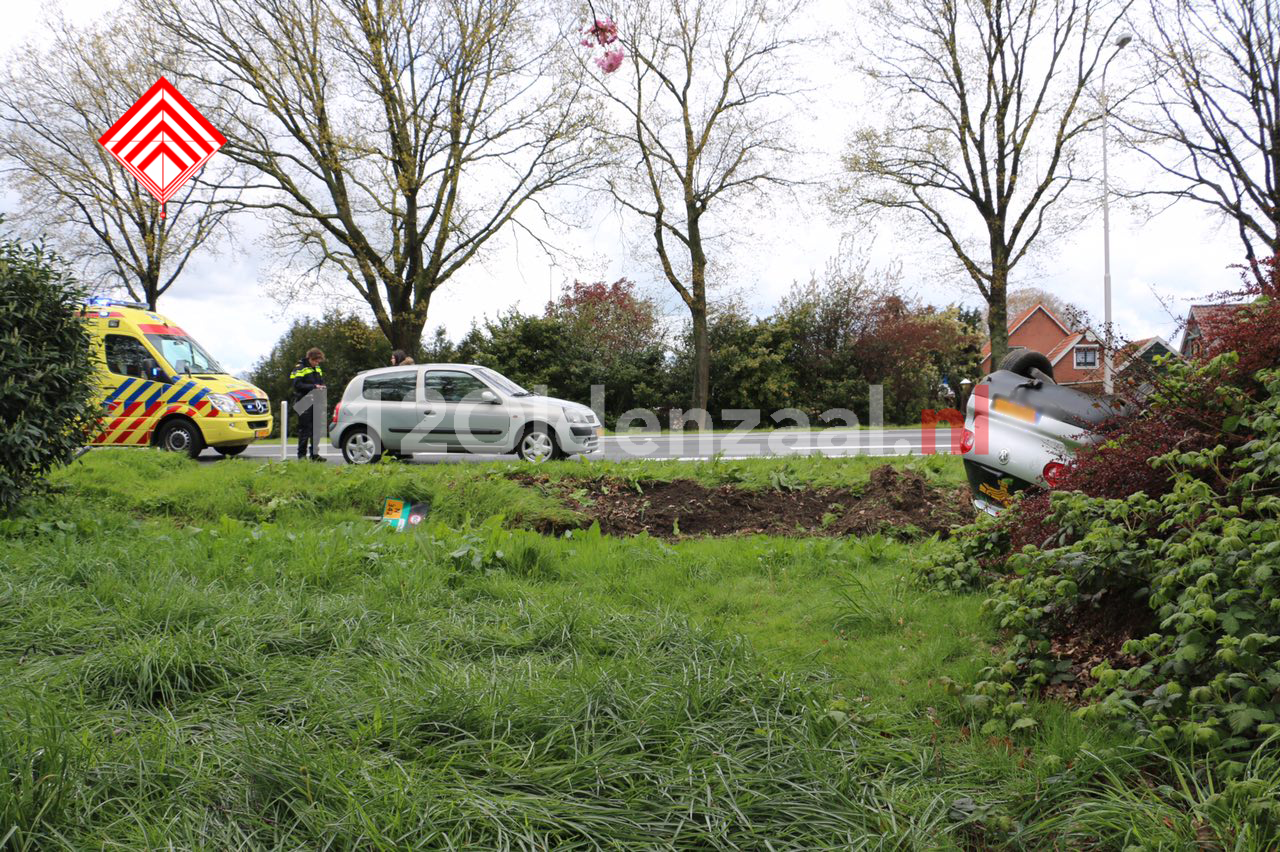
point(893, 502)
point(1097, 634)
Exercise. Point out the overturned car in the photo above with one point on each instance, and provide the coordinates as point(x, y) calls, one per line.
point(1021, 429)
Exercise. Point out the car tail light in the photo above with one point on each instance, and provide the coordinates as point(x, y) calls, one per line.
point(966, 441)
point(336, 409)
point(1053, 473)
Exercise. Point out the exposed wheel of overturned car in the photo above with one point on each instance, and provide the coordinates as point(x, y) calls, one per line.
point(1023, 361)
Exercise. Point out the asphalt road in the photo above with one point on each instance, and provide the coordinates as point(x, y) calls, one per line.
point(689, 446)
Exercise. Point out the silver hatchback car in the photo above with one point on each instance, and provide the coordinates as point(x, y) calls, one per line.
point(439, 408)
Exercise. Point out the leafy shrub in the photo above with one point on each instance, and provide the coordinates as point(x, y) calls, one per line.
point(1191, 579)
point(46, 384)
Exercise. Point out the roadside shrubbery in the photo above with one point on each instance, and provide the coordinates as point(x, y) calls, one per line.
point(46, 385)
point(1153, 592)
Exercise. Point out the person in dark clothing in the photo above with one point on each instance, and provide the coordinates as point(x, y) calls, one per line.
point(307, 376)
point(400, 359)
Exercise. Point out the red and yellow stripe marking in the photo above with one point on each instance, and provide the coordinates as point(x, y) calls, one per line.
point(135, 424)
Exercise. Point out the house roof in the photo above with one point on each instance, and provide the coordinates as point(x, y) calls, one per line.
point(1135, 347)
point(1016, 323)
point(1208, 315)
point(1055, 355)
point(1131, 351)
point(1213, 313)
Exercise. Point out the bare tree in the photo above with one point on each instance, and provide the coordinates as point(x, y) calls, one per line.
point(1215, 102)
point(1020, 299)
point(985, 109)
point(55, 102)
point(393, 139)
point(700, 102)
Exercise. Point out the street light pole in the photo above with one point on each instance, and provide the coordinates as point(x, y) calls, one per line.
point(1108, 385)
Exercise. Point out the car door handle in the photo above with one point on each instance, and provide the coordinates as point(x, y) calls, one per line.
point(429, 411)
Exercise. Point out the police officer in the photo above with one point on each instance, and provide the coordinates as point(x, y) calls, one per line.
point(307, 376)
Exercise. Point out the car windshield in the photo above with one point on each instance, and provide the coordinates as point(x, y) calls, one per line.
point(183, 354)
point(502, 383)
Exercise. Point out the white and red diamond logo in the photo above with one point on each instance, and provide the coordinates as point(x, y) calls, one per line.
point(162, 140)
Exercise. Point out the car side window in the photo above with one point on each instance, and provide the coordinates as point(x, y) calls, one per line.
point(452, 386)
point(126, 355)
point(392, 387)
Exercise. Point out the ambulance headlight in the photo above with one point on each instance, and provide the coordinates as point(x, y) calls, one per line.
point(223, 403)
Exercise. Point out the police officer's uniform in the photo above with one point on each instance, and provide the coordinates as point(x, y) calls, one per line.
point(306, 379)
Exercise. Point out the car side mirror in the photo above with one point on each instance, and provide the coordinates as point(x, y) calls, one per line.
point(151, 370)
point(489, 397)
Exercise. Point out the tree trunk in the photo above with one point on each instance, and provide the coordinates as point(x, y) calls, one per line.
point(406, 331)
point(151, 287)
point(998, 313)
point(701, 362)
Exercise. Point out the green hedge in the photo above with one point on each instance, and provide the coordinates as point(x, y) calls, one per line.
point(46, 379)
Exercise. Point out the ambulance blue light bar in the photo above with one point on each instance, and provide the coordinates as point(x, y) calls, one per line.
point(107, 301)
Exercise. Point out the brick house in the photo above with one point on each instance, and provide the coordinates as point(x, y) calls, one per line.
point(1076, 355)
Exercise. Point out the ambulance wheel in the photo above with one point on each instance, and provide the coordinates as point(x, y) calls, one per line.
point(360, 447)
point(1023, 361)
point(180, 436)
point(230, 452)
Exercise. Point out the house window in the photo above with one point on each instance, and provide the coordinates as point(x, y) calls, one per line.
point(1086, 356)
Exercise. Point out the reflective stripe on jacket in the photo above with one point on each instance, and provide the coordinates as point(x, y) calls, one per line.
point(305, 379)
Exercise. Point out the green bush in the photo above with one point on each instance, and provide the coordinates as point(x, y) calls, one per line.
point(46, 379)
point(1191, 577)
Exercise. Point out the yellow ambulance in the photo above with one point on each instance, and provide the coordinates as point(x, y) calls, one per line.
point(159, 388)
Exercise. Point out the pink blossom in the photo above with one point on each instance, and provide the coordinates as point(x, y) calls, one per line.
point(604, 31)
point(611, 61)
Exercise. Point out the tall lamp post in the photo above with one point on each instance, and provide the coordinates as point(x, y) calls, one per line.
point(1107, 383)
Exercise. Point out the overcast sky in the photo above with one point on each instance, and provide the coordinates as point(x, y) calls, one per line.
point(1176, 256)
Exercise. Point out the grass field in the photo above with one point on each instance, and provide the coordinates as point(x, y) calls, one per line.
point(231, 656)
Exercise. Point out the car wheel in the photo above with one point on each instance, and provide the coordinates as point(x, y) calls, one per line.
point(538, 444)
point(359, 447)
point(180, 436)
point(1023, 361)
point(230, 452)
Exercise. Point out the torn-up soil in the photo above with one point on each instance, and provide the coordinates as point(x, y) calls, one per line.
point(892, 502)
point(1097, 633)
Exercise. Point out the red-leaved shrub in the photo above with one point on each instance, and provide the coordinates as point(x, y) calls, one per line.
point(1188, 409)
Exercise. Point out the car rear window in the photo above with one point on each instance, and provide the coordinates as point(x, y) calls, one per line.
point(391, 387)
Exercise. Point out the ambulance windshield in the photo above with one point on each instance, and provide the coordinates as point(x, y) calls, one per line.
point(184, 354)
